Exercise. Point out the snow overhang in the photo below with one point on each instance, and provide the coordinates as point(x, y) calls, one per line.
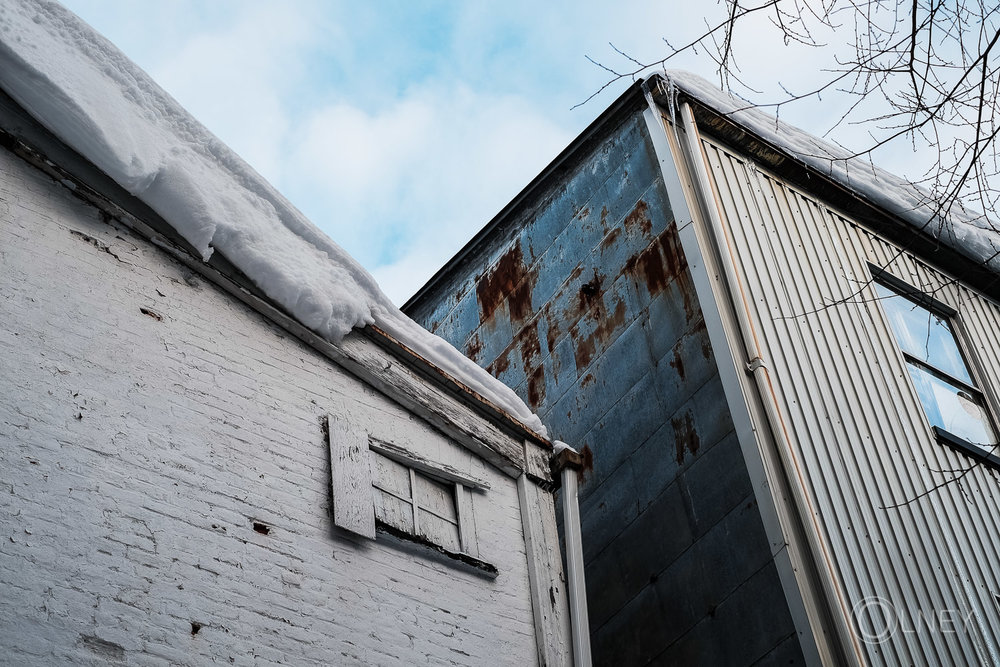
point(106, 111)
point(963, 244)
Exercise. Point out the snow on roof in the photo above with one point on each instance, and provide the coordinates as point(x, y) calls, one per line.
point(85, 91)
point(968, 232)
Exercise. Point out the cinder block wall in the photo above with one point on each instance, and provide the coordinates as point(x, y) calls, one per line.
point(164, 477)
point(586, 307)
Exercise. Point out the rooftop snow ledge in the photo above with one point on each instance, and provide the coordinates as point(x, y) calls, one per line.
point(970, 233)
point(86, 92)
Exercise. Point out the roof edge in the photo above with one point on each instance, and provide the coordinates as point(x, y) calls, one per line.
point(626, 103)
point(723, 127)
point(453, 385)
point(28, 140)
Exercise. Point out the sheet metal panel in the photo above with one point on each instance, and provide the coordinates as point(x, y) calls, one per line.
point(912, 524)
point(590, 313)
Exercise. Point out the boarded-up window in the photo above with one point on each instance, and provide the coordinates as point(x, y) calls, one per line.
point(414, 503)
point(378, 482)
point(352, 479)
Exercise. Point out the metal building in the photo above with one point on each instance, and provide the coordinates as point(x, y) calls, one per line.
point(784, 369)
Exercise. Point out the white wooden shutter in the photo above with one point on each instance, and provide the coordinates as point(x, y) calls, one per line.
point(353, 506)
point(466, 526)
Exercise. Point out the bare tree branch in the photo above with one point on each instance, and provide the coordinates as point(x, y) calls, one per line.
point(921, 74)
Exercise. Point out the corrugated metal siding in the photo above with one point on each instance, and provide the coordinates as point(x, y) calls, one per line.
point(873, 466)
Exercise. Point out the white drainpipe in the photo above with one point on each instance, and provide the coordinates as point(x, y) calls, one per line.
point(569, 462)
point(758, 370)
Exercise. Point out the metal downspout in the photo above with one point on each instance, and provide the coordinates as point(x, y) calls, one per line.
point(757, 367)
point(568, 462)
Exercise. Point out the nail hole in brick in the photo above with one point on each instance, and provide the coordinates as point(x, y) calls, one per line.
point(261, 528)
point(195, 627)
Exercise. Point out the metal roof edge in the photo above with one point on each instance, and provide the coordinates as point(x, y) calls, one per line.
point(631, 100)
point(722, 127)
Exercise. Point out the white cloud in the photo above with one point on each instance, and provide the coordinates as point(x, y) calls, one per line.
point(401, 131)
point(418, 177)
point(239, 80)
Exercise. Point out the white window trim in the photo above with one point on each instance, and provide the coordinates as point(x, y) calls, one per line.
point(441, 471)
point(967, 351)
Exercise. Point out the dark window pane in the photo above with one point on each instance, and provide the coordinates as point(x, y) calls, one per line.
point(922, 334)
point(952, 408)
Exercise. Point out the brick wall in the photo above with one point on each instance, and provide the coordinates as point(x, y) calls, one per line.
point(148, 422)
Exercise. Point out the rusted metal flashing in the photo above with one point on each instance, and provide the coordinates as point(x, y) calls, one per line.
point(567, 458)
point(581, 462)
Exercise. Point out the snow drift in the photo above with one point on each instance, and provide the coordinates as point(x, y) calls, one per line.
point(85, 91)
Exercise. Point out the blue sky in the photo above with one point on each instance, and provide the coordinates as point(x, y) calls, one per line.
point(401, 128)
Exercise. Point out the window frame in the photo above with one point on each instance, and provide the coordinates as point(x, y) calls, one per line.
point(462, 486)
point(352, 452)
point(983, 453)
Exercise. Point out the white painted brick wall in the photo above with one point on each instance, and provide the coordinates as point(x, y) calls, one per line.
point(136, 452)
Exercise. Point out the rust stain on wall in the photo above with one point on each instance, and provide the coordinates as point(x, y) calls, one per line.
point(638, 219)
point(536, 387)
point(611, 238)
point(685, 436)
point(591, 293)
point(499, 365)
point(702, 333)
point(647, 268)
point(527, 340)
point(588, 464)
point(552, 330)
point(520, 298)
point(499, 283)
point(583, 352)
point(526, 343)
point(692, 310)
point(670, 244)
point(474, 347)
point(585, 347)
point(659, 263)
point(678, 363)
